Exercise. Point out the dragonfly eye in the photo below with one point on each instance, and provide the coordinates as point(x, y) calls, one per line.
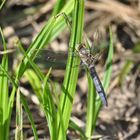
point(80, 46)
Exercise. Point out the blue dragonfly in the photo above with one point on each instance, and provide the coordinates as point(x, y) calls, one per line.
point(87, 59)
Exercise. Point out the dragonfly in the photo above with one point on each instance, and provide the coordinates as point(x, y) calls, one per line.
point(87, 59)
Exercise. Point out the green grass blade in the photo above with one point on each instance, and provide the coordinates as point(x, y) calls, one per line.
point(136, 48)
point(9, 104)
point(39, 43)
point(128, 64)
point(35, 83)
point(71, 75)
point(24, 102)
point(58, 6)
point(53, 27)
point(75, 127)
point(37, 87)
point(90, 106)
point(33, 65)
point(108, 69)
point(49, 108)
point(125, 70)
point(4, 127)
point(45, 99)
point(107, 77)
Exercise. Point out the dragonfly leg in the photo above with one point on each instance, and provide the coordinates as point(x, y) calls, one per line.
point(63, 14)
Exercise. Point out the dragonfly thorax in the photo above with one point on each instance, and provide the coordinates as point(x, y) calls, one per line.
point(85, 55)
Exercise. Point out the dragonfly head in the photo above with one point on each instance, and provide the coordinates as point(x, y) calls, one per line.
point(82, 50)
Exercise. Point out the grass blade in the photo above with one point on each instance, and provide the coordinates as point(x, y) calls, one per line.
point(58, 6)
point(75, 127)
point(71, 71)
point(24, 102)
point(107, 77)
point(125, 70)
point(2, 3)
point(52, 28)
point(35, 83)
point(90, 106)
point(108, 69)
point(49, 108)
point(4, 126)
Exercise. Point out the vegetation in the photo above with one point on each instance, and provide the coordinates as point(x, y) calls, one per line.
point(57, 108)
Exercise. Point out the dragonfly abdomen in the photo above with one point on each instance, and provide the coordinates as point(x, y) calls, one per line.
point(98, 85)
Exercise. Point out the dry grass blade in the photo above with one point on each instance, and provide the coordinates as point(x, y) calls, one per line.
point(7, 51)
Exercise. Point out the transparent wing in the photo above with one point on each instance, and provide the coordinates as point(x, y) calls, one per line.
point(56, 59)
point(98, 43)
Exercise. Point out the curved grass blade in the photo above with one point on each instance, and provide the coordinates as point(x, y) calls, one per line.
point(34, 66)
point(58, 6)
point(10, 105)
point(107, 78)
point(75, 127)
point(125, 70)
point(45, 99)
point(7, 111)
point(35, 83)
point(4, 126)
point(49, 108)
point(24, 102)
point(91, 100)
point(53, 27)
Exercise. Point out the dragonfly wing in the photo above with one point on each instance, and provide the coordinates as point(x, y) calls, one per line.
point(56, 59)
point(50, 54)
